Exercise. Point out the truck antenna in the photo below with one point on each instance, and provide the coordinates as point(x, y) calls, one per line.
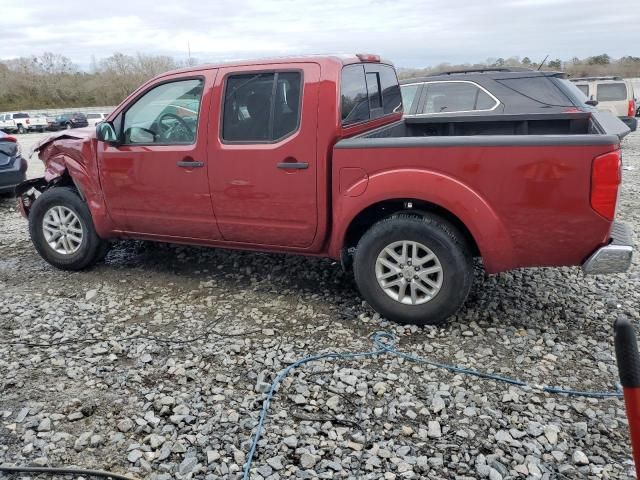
point(542, 62)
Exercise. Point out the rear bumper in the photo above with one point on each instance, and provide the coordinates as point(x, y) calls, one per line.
point(614, 257)
point(12, 176)
point(631, 122)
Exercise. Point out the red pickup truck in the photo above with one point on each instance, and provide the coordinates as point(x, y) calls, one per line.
point(311, 155)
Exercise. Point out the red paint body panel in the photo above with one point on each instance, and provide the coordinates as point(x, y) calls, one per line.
point(147, 192)
point(524, 206)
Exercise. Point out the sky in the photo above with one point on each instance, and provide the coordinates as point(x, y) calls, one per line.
point(411, 33)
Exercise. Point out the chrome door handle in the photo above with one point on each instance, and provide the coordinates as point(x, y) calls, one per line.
point(190, 164)
point(293, 165)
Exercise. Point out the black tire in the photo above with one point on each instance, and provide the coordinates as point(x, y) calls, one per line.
point(92, 248)
point(68, 126)
point(443, 240)
point(20, 129)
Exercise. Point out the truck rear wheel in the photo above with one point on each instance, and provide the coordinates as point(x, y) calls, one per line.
point(414, 270)
point(62, 230)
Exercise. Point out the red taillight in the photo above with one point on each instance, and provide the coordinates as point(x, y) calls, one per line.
point(605, 180)
point(632, 109)
point(27, 121)
point(9, 138)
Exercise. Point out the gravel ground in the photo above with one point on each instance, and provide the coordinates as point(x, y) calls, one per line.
point(179, 344)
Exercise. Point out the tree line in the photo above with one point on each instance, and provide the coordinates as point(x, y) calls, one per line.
point(598, 65)
point(52, 80)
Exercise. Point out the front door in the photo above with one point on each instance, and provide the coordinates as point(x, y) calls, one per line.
point(155, 181)
point(263, 154)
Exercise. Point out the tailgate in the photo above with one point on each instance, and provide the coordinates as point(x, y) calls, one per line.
point(610, 124)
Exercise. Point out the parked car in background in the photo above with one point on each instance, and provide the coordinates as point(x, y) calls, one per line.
point(312, 155)
point(13, 167)
point(95, 118)
point(68, 121)
point(22, 123)
point(612, 94)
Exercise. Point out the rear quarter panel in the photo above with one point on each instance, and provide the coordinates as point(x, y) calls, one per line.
point(524, 205)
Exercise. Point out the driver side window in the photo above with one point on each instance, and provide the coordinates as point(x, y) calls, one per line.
point(165, 115)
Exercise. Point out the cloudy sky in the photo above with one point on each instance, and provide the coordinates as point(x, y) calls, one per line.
point(412, 33)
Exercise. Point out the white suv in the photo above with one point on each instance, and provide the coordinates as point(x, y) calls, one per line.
point(611, 94)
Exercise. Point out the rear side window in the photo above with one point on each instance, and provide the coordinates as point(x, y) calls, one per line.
point(408, 95)
point(539, 89)
point(261, 107)
point(368, 91)
point(584, 89)
point(451, 97)
point(611, 92)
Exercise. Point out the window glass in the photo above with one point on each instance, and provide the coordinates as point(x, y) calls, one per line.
point(610, 92)
point(484, 101)
point(353, 92)
point(540, 89)
point(167, 114)
point(361, 95)
point(93, 115)
point(450, 97)
point(391, 97)
point(408, 95)
point(287, 104)
point(21, 115)
point(373, 88)
point(261, 107)
point(584, 89)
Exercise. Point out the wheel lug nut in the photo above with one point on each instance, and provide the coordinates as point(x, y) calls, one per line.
point(417, 268)
point(401, 266)
point(409, 263)
point(415, 276)
point(400, 275)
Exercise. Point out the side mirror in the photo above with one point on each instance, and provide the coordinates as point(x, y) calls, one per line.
point(592, 102)
point(106, 133)
point(139, 135)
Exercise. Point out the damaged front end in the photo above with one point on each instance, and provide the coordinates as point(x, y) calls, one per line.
point(64, 153)
point(26, 194)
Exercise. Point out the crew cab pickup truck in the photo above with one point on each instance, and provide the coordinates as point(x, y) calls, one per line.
point(311, 156)
point(22, 123)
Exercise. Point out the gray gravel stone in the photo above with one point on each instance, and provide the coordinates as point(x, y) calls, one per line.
point(186, 410)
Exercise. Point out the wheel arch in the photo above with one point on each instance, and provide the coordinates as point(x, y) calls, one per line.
point(389, 193)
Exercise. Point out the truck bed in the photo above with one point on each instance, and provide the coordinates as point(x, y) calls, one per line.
point(517, 127)
point(529, 174)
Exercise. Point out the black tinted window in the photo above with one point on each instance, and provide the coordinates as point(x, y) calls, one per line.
point(540, 89)
point(391, 97)
point(368, 95)
point(21, 115)
point(261, 107)
point(609, 92)
point(354, 102)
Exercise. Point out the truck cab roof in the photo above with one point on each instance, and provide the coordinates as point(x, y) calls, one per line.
point(335, 59)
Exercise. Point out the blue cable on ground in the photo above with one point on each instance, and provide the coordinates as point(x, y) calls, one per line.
point(385, 342)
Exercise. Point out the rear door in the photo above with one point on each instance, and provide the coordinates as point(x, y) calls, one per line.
point(613, 97)
point(155, 182)
point(263, 154)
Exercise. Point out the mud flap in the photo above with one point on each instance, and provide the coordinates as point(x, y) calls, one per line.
point(25, 195)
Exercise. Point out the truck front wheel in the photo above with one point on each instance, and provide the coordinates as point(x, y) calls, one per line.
point(414, 269)
point(62, 230)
